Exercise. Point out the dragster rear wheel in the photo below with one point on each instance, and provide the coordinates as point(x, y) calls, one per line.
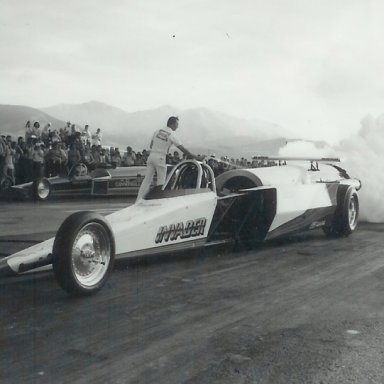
point(344, 220)
point(83, 253)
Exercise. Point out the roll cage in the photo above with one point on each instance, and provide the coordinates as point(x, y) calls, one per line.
point(187, 177)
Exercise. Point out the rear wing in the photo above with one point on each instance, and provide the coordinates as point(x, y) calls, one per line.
point(282, 160)
point(288, 158)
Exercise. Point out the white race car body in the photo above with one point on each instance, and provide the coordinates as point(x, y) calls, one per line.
point(154, 224)
point(193, 209)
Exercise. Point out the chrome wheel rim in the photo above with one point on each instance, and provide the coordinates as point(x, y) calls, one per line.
point(6, 183)
point(91, 254)
point(43, 189)
point(352, 212)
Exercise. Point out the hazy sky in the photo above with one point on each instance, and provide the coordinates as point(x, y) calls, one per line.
point(313, 67)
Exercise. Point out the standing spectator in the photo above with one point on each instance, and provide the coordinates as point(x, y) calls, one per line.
point(55, 160)
point(71, 136)
point(96, 155)
point(38, 161)
point(111, 154)
point(86, 135)
point(65, 132)
point(55, 137)
point(64, 158)
point(129, 158)
point(74, 156)
point(20, 160)
point(36, 130)
point(28, 130)
point(116, 158)
point(3, 146)
point(97, 137)
point(9, 165)
point(45, 133)
point(102, 156)
point(28, 160)
point(107, 155)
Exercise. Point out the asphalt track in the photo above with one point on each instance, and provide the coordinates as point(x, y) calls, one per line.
point(306, 310)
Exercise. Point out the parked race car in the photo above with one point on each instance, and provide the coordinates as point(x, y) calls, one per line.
point(80, 182)
point(193, 209)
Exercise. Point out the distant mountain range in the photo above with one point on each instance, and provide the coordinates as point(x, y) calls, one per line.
point(14, 117)
point(201, 129)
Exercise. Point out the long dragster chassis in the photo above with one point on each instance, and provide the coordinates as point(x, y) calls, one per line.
point(193, 209)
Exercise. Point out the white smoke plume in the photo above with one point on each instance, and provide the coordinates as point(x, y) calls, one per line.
point(306, 149)
point(363, 157)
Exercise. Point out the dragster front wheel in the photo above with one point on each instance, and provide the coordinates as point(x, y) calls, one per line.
point(83, 253)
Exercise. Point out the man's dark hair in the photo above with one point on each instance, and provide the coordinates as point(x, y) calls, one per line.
point(172, 120)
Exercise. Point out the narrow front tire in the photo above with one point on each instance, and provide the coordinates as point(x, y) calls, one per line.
point(83, 253)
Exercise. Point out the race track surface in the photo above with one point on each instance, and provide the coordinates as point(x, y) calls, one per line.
point(306, 310)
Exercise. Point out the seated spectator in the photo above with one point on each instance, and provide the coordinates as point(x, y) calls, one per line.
point(129, 158)
point(87, 158)
point(139, 159)
point(169, 158)
point(145, 155)
point(176, 158)
point(212, 162)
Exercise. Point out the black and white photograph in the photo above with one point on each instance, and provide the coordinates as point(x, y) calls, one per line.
point(191, 192)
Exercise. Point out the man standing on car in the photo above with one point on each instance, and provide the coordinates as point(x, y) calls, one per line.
point(161, 141)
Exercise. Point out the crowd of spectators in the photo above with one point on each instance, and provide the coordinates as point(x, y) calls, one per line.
point(49, 152)
point(44, 151)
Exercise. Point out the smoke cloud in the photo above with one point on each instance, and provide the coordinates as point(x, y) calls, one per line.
point(362, 156)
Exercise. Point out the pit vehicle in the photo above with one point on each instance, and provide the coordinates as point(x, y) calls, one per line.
point(193, 209)
point(80, 182)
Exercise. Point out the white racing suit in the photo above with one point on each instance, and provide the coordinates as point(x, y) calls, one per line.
point(155, 164)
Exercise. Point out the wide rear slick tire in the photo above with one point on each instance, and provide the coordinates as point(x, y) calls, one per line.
point(83, 253)
point(344, 220)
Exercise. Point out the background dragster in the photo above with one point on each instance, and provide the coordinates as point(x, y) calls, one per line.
point(193, 209)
